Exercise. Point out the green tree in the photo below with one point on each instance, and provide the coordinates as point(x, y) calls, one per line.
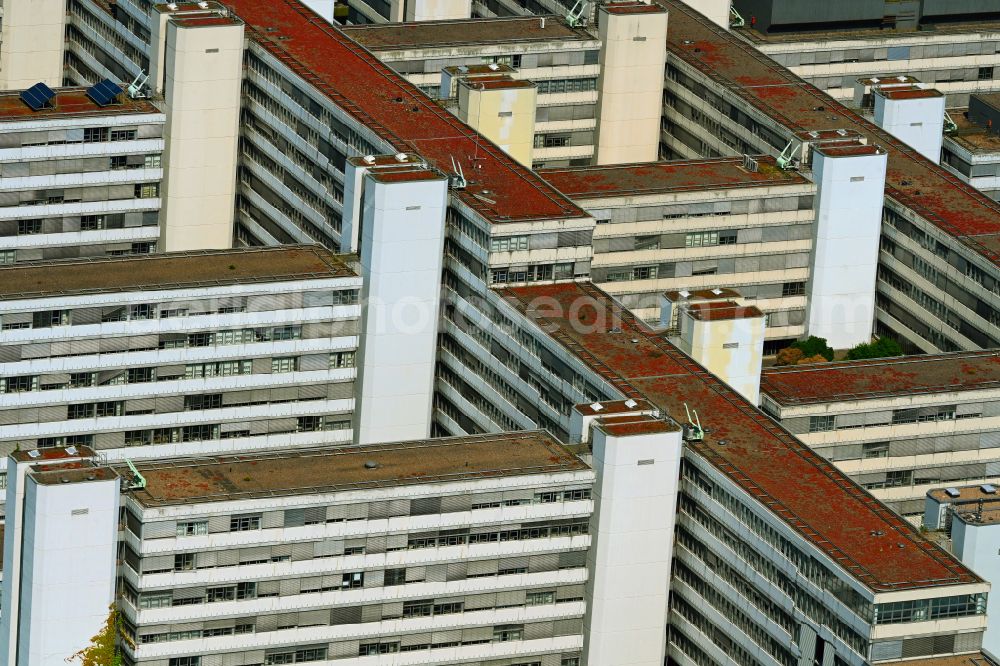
point(882, 348)
point(813, 346)
point(103, 649)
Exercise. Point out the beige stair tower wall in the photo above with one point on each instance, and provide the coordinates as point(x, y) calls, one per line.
point(633, 57)
point(503, 111)
point(202, 78)
point(33, 39)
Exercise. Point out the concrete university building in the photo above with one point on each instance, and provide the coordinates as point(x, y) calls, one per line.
point(402, 422)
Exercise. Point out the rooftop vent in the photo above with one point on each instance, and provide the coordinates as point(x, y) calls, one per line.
point(38, 97)
point(172, 6)
point(203, 4)
point(371, 464)
point(402, 157)
point(71, 450)
point(953, 492)
point(34, 453)
point(630, 403)
point(369, 159)
point(596, 406)
point(104, 93)
point(988, 488)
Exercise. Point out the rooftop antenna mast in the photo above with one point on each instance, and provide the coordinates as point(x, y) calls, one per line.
point(949, 124)
point(692, 430)
point(785, 160)
point(135, 89)
point(575, 16)
point(736, 20)
point(457, 177)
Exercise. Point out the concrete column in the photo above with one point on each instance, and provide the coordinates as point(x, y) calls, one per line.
point(32, 43)
point(850, 190)
point(728, 339)
point(503, 110)
point(637, 461)
point(59, 557)
point(437, 10)
point(914, 115)
point(716, 10)
point(633, 58)
point(402, 254)
point(202, 82)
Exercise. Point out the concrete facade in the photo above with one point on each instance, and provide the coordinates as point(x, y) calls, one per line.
point(32, 43)
point(78, 179)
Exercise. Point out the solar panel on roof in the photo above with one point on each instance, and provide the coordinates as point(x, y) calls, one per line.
point(38, 96)
point(104, 93)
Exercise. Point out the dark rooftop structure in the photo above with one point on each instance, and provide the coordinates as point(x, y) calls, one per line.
point(881, 378)
point(772, 19)
point(974, 659)
point(763, 459)
point(437, 34)
point(667, 177)
point(364, 87)
point(170, 271)
point(69, 103)
point(911, 180)
point(310, 471)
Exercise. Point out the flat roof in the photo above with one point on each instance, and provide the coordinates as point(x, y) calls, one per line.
point(313, 471)
point(929, 190)
point(399, 112)
point(639, 424)
point(81, 471)
point(438, 34)
point(800, 487)
point(69, 103)
point(631, 8)
point(974, 659)
point(826, 34)
point(666, 177)
point(721, 310)
point(972, 136)
point(966, 494)
point(907, 92)
point(175, 270)
point(881, 378)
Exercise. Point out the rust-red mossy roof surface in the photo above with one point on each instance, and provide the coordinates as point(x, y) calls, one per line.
point(383, 101)
point(912, 180)
point(667, 177)
point(811, 495)
point(881, 378)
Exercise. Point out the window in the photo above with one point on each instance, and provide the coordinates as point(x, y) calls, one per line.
point(899, 478)
point(419, 608)
point(508, 632)
point(29, 227)
point(395, 577)
point(218, 369)
point(142, 311)
point(118, 162)
point(367, 649)
point(194, 403)
point(185, 661)
point(82, 379)
point(139, 375)
point(539, 598)
point(286, 333)
point(793, 289)
point(91, 222)
point(244, 523)
point(18, 384)
point(48, 318)
point(344, 359)
point(284, 364)
point(352, 580)
point(985, 73)
point(727, 238)
point(8, 256)
point(195, 528)
point(123, 135)
point(147, 190)
point(151, 162)
point(93, 134)
point(184, 562)
point(701, 239)
point(508, 243)
point(821, 423)
point(875, 450)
